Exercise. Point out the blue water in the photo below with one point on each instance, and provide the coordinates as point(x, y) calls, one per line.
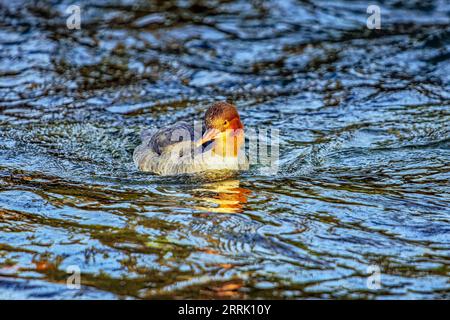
point(363, 182)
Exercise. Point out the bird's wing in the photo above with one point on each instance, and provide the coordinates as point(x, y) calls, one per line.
point(158, 140)
point(147, 133)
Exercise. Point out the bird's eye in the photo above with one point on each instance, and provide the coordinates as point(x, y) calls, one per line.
point(225, 123)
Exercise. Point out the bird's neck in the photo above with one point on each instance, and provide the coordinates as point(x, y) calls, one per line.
point(229, 144)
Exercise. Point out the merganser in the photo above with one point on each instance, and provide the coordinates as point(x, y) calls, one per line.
point(174, 150)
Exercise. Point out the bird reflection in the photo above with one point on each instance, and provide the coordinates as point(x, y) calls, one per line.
point(223, 196)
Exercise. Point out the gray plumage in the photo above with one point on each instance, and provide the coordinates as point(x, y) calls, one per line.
point(160, 139)
point(172, 150)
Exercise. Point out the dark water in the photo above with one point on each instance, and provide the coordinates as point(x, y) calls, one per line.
point(364, 169)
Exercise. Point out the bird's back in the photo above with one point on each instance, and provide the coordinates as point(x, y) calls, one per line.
point(166, 150)
point(160, 139)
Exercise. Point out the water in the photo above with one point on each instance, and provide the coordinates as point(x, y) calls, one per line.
point(364, 156)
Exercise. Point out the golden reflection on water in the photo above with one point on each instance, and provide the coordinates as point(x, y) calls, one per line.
point(222, 196)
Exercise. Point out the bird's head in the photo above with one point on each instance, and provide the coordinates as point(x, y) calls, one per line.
point(223, 125)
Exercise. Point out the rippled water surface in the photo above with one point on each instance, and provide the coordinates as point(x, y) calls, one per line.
point(364, 119)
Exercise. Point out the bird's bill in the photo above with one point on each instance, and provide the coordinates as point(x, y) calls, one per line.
point(209, 135)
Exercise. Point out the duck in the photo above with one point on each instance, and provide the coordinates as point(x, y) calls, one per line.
point(181, 148)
